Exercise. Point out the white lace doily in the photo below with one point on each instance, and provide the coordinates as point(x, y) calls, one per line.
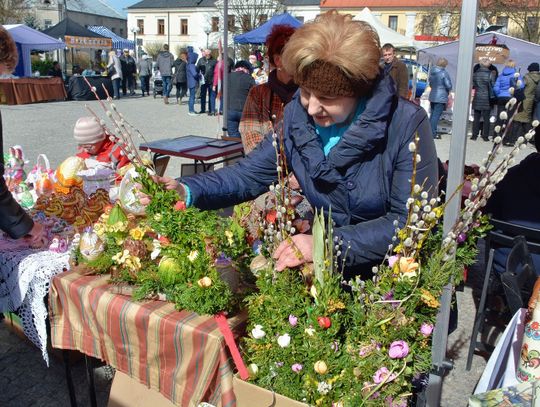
point(25, 276)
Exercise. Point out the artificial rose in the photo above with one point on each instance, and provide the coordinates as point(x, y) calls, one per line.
point(284, 340)
point(398, 350)
point(137, 233)
point(293, 320)
point(324, 322)
point(258, 332)
point(383, 375)
point(180, 206)
point(426, 329)
point(297, 367)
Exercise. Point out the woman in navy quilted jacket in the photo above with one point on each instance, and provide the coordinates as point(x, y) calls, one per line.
point(346, 137)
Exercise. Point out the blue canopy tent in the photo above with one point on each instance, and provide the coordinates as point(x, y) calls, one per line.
point(259, 34)
point(28, 39)
point(117, 41)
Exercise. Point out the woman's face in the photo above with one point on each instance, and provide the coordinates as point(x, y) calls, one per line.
point(327, 110)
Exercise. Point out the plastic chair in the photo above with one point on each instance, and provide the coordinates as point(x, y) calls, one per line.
point(503, 235)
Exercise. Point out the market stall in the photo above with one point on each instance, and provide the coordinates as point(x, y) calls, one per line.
point(118, 42)
point(31, 90)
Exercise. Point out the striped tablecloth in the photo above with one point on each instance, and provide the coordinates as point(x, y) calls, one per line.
point(178, 353)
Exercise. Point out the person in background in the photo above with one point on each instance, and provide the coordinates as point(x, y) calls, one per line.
point(441, 85)
point(88, 71)
point(13, 219)
point(180, 76)
point(265, 103)
point(396, 69)
point(114, 67)
point(240, 83)
point(193, 76)
point(346, 138)
point(129, 68)
point(164, 64)
point(206, 65)
point(145, 73)
point(483, 80)
point(502, 86)
point(93, 142)
point(56, 70)
point(524, 117)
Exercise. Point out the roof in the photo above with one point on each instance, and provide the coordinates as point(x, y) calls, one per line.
point(70, 27)
point(171, 4)
point(378, 4)
point(38, 40)
point(97, 7)
point(118, 42)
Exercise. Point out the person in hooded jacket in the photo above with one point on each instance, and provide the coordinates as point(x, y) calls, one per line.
point(524, 117)
point(508, 78)
point(164, 65)
point(441, 85)
point(346, 136)
point(193, 76)
point(483, 80)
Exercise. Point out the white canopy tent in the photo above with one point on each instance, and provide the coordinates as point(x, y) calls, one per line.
point(521, 51)
point(386, 34)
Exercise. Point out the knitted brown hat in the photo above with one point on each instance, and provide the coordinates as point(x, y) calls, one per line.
point(328, 79)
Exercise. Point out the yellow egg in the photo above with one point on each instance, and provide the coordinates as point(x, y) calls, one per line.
point(320, 367)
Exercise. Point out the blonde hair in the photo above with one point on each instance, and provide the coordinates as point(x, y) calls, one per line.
point(335, 39)
point(510, 63)
point(442, 62)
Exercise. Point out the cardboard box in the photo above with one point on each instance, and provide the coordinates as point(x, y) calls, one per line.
point(250, 395)
point(128, 392)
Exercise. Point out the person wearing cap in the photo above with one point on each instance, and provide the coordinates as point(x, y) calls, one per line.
point(145, 73)
point(524, 116)
point(13, 219)
point(93, 142)
point(129, 69)
point(346, 136)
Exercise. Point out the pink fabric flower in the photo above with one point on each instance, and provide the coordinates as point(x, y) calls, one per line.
point(392, 260)
point(297, 367)
point(293, 320)
point(383, 374)
point(426, 329)
point(398, 350)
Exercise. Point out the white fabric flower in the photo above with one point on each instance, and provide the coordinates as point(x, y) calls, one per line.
point(258, 332)
point(284, 340)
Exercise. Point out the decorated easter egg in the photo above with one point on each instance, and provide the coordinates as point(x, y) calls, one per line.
point(127, 194)
point(90, 245)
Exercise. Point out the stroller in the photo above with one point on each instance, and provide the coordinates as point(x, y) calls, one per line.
point(158, 85)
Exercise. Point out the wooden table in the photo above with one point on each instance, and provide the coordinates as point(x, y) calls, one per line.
point(178, 353)
point(31, 90)
point(202, 150)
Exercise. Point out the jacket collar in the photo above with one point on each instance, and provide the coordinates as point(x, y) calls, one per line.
point(366, 133)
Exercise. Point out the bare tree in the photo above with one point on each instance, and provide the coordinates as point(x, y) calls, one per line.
point(245, 15)
point(525, 14)
point(13, 11)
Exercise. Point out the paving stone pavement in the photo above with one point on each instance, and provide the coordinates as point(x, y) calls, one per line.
point(47, 128)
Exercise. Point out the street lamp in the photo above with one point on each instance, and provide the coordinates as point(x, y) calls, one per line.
point(135, 30)
point(207, 31)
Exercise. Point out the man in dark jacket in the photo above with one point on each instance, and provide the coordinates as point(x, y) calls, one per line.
point(396, 69)
point(56, 70)
point(240, 82)
point(180, 76)
point(13, 219)
point(129, 69)
point(206, 66)
point(483, 81)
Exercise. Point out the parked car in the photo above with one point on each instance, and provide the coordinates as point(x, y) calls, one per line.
point(421, 75)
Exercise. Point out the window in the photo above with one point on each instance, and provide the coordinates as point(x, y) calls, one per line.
point(215, 24)
point(300, 18)
point(121, 32)
point(140, 24)
point(47, 23)
point(232, 23)
point(183, 26)
point(532, 24)
point(392, 22)
point(113, 30)
point(161, 26)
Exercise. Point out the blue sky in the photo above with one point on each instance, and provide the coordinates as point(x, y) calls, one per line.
point(121, 4)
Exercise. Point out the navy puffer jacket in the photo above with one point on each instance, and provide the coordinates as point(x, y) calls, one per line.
point(365, 178)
